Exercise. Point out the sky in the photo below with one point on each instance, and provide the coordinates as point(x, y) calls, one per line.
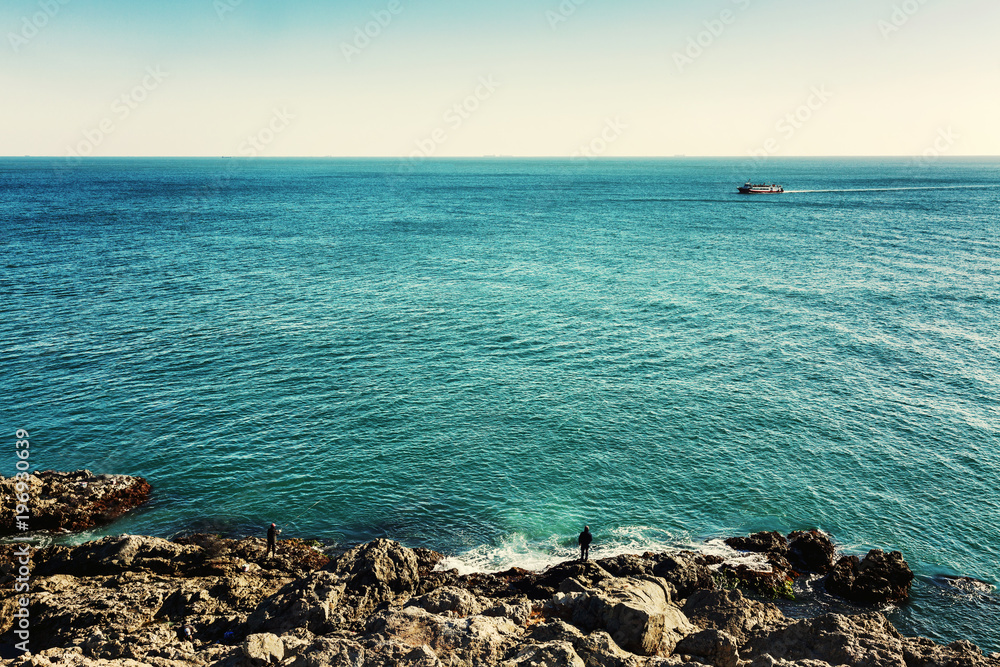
point(463, 78)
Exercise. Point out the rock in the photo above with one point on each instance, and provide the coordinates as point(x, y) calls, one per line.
point(715, 646)
point(685, 573)
point(263, 649)
point(476, 640)
point(377, 564)
point(773, 579)
point(332, 652)
point(730, 612)
point(71, 501)
point(544, 585)
point(628, 565)
point(305, 603)
point(879, 579)
point(861, 641)
point(922, 652)
point(117, 554)
point(553, 654)
point(810, 551)
point(450, 600)
point(637, 613)
point(517, 610)
point(763, 543)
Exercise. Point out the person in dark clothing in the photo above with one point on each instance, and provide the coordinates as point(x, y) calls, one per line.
point(585, 539)
point(272, 541)
point(185, 633)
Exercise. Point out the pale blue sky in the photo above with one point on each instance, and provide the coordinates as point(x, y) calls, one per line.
point(844, 77)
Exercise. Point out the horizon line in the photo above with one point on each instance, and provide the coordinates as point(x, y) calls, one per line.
point(77, 158)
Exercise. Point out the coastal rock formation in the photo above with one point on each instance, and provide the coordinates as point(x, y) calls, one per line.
point(878, 580)
point(881, 578)
point(125, 601)
point(70, 501)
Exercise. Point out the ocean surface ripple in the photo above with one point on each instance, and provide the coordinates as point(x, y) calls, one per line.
point(480, 356)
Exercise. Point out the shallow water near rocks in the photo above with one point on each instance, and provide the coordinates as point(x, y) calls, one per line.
point(480, 356)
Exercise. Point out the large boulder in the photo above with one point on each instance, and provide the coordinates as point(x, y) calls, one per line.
point(730, 612)
point(263, 649)
point(762, 543)
point(307, 603)
point(685, 573)
point(811, 551)
point(476, 640)
point(448, 600)
point(713, 647)
point(545, 584)
point(860, 641)
point(922, 652)
point(881, 578)
point(638, 613)
point(552, 654)
point(382, 563)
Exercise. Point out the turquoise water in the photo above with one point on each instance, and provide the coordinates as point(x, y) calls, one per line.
point(481, 356)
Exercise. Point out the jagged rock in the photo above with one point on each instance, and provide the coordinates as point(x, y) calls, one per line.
point(71, 501)
point(638, 613)
point(544, 585)
point(628, 565)
point(517, 610)
point(861, 641)
point(685, 573)
point(379, 563)
point(922, 652)
point(811, 551)
point(263, 649)
point(763, 543)
point(730, 612)
point(305, 603)
point(469, 641)
point(117, 554)
point(118, 602)
point(715, 646)
point(553, 654)
point(879, 579)
point(449, 599)
point(332, 652)
point(768, 661)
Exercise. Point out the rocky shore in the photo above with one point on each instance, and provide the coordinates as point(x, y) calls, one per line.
point(68, 501)
point(131, 600)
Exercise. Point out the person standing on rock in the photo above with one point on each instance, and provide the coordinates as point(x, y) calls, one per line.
point(584, 541)
point(272, 541)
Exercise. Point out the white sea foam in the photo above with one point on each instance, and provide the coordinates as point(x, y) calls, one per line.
point(516, 550)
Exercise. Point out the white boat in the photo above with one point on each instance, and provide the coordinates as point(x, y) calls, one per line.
point(760, 188)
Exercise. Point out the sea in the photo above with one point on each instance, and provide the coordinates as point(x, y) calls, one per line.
point(481, 356)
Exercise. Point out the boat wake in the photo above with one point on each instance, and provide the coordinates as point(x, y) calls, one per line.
point(929, 187)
